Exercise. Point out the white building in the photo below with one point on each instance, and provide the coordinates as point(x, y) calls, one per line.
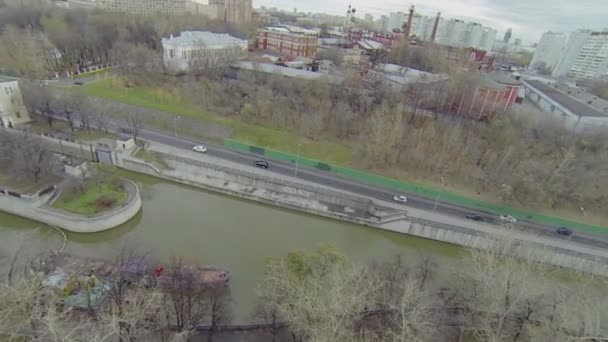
point(548, 50)
point(592, 60)
point(12, 109)
point(569, 52)
point(395, 21)
point(195, 50)
point(457, 33)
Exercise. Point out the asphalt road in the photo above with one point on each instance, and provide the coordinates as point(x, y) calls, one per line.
point(367, 190)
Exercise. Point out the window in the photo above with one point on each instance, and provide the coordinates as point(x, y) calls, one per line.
point(10, 89)
point(6, 90)
point(171, 53)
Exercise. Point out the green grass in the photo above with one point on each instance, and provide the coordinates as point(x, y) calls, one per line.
point(151, 157)
point(75, 201)
point(93, 134)
point(42, 126)
point(114, 89)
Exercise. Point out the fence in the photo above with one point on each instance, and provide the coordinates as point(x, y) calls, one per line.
point(391, 183)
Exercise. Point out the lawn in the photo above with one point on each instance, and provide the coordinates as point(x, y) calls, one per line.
point(151, 157)
point(114, 89)
point(95, 199)
point(92, 73)
point(93, 134)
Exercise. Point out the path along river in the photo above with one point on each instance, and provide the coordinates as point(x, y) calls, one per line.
point(212, 229)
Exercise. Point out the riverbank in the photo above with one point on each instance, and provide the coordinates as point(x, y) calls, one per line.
point(37, 208)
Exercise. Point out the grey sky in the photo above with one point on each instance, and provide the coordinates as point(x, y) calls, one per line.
point(528, 18)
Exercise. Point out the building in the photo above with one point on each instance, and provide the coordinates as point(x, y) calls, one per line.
point(574, 114)
point(12, 109)
point(146, 7)
point(507, 37)
point(548, 51)
point(288, 41)
point(397, 76)
point(592, 59)
point(233, 11)
point(569, 52)
point(395, 21)
point(196, 50)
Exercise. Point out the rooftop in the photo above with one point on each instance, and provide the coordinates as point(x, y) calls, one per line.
point(209, 39)
point(4, 78)
point(570, 103)
point(292, 29)
point(287, 72)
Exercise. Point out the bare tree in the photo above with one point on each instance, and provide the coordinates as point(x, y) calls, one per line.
point(38, 99)
point(32, 158)
point(135, 123)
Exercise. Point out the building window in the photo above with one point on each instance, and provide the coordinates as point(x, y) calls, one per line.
point(6, 90)
point(171, 53)
point(10, 89)
point(18, 115)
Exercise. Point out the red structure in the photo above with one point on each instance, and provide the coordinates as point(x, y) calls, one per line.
point(287, 43)
point(496, 94)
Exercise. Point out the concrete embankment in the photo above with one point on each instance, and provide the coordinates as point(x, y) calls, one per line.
point(360, 210)
point(36, 208)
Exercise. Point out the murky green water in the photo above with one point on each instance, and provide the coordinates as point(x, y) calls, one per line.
point(216, 230)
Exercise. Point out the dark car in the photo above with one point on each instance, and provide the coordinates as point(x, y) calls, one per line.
point(261, 164)
point(564, 231)
point(475, 217)
point(78, 83)
point(126, 130)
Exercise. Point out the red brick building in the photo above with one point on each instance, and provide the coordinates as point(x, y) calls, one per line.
point(288, 41)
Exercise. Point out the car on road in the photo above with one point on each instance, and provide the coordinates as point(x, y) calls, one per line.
point(199, 149)
point(508, 219)
point(400, 199)
point(126, 130)
point(475, 217)
point(78, 83)
point(564, 231)
point(261, 164)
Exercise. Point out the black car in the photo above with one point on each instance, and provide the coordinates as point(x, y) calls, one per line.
point(261, 164)
point(126, 130)
point(475, 217)
point(564, 231)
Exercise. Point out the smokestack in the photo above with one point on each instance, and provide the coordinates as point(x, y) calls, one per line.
point(435, 27)
point(408, 28)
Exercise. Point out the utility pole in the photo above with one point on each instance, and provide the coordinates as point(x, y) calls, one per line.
point(439, 194)
point(297, 160)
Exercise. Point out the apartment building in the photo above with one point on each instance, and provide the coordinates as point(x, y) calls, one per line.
point(569, 53)
point(12, 109)
point(288, 41)
point(548, 50)
point(197, 50)
point(233, 11)
point(592, 60)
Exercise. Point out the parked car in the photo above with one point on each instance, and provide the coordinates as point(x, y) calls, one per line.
point(261, 164)
point(199, 148)
point(508, 218)
point(475, 217)
point(78, 83)
point(564, 231)
point(126, 130)
point(400, 199)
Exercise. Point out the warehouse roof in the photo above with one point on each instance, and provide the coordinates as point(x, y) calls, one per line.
point(570, 103)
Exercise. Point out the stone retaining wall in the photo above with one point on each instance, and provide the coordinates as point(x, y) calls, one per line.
point(33, 209)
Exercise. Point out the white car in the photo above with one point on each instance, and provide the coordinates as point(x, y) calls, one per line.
point(400, 199)
point(199, 148)
point(508, 218)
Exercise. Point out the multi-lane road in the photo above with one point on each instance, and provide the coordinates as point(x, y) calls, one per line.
point(375, 192)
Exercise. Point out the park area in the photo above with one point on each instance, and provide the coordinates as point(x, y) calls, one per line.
point(92, 197)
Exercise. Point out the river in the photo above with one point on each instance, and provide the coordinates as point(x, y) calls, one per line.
point(212, 229)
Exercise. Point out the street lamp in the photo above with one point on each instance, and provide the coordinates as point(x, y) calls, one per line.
point(439, 193)
point(297, 160)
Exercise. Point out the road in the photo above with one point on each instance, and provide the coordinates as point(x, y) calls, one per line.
point(367, 190)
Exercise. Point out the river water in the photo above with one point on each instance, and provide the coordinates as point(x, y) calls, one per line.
point(211, 229)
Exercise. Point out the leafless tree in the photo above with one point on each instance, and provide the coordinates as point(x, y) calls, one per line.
point(71, 104)
point(135, 123)
point(32, 158)
point(39, 99)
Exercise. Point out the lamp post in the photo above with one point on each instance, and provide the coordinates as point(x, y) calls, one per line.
point(297, 160)
point(439, 194)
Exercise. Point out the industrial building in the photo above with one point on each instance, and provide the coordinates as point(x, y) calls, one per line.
point(288, 41)
point(12, 109)
point(196, 50)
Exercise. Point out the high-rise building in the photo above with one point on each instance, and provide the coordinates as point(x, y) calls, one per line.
point(548, 51)
point(507, 37)
point(396, 21)
point(369, 18)
point(457, 33)
point(569, 52)
point(592, 60)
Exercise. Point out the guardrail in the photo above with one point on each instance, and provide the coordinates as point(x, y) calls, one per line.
point(361, 200)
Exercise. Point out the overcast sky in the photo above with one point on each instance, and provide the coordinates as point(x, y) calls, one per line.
point(528, 18)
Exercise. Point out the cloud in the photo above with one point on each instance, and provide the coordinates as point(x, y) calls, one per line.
point(527, 18)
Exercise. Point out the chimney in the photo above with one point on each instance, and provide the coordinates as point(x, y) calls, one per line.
point(435, 27)
point(408, 28)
